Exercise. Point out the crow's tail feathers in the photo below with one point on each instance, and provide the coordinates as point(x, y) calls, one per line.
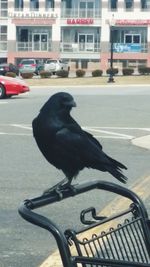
point(118, 175)
point(116, 170)
point(117, 163)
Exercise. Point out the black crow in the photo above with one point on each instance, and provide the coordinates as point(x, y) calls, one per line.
point(66, 145)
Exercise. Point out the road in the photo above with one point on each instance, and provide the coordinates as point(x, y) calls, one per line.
point(114, 115)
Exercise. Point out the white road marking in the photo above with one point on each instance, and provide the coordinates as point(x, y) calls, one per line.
point(3, 102)
point(112, 137)
point(22, 126)
point(98, 131)
point(125, 136)
point(118, 128)
point(23, 134)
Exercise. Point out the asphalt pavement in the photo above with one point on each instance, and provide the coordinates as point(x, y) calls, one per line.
point(118, 117)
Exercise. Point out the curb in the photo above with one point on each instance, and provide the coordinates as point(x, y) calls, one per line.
point(98, 85)
point(143, 141)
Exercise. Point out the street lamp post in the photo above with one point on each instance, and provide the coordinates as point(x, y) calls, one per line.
point(111, 76)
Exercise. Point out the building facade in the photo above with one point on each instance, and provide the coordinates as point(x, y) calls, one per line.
point(76, 30)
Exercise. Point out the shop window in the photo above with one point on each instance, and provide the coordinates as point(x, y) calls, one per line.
point(19, 4)
point(3, 38)
point(145, 4)
point(24, 35)
point(86, 9)
point(84, 64)
point(3, 8)
point(34, 4)
point(49, 4)
point(132, 38)
point(113, 4)
point(128, 4)
point(3, 29)
point(128, 39)
point(136, 39)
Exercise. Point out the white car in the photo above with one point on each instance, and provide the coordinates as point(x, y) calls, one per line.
point(53, 65)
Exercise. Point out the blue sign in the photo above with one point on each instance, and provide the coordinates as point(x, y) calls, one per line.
point(121, 48)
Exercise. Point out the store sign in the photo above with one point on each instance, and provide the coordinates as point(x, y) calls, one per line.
point(37, 21)
point(80, 21)
point(121, 48)
point(29, 15)
point(132, 22)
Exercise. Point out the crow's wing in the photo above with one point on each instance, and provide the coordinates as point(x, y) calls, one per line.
point(81, 145)
point(90, 136)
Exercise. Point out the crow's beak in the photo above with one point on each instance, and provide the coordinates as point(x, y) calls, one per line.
point(71, 104)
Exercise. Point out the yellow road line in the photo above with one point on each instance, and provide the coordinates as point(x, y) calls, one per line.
point(141, 188)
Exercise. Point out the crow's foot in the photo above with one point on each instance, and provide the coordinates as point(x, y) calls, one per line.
point(59, 188)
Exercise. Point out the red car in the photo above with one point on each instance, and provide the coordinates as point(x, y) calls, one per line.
point(12, 86)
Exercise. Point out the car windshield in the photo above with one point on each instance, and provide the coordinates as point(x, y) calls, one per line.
point(27, 62)
point(51, 61)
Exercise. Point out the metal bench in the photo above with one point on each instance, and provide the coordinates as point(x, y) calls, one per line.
point(121, 239)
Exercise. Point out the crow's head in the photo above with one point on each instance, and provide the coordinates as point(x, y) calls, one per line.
point(59, 101)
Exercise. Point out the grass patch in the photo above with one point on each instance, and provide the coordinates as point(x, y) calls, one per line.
point(122, 80)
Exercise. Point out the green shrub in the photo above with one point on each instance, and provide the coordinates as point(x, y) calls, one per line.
point(97, 73)
point(62, 73)
point(27, 75)
point(80, 73)
point(112, 71)
point(45, 74)
point(127, 71)
point(143, 70)
point(10, 74)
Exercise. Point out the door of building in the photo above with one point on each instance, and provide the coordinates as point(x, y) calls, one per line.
point(86, 42)
point(40, 42)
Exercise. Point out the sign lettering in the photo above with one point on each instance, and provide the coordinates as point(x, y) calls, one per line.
point(25, 15)
point(80, 21)
point(132, 22)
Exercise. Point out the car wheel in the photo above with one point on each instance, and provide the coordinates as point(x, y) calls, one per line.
point(2, 91)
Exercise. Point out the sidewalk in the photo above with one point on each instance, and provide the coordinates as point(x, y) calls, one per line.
point(89, 80)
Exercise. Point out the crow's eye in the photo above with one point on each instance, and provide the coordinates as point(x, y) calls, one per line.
point(66, 100)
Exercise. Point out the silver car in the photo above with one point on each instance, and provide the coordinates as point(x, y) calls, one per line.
point(30, 66)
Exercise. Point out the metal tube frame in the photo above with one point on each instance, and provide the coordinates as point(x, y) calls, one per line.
point(27, 207)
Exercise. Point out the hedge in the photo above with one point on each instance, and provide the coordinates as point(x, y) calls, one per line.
point(144, 70)
point(127, 71)
point(97, 73)
point(45, 74)
point(27, 75)
point(62, 73)
point(80, 73)
point(10, 74)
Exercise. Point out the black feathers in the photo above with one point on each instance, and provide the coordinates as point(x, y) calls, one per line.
point(65, 145)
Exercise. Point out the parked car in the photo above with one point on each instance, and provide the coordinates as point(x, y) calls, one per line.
point(8, 67)
point(53, 65)
point(31, 66)
point(12, 86)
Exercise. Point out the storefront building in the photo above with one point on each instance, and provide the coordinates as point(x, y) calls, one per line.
point(76, 30)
